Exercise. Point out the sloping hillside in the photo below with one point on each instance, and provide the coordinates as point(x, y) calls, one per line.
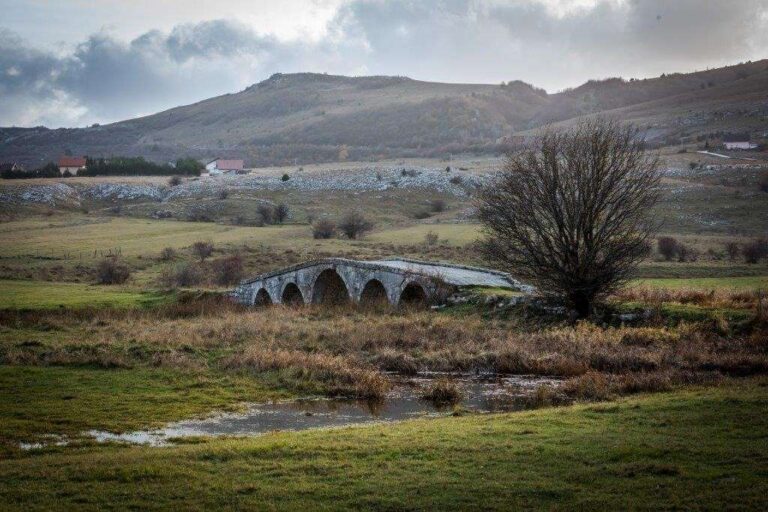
point(314, 117)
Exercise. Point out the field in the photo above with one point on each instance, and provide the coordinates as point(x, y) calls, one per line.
point(689, 449)
point(654, 403)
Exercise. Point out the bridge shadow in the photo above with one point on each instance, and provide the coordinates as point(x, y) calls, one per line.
point(330, 289)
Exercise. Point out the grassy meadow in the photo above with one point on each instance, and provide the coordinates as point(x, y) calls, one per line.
point(668, 382)
point(696, 448)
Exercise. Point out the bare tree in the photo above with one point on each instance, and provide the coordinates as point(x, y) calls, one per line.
point(281, 213)
point(354, 224)
point(202, 250)
point(570, 214)
point(323, 228)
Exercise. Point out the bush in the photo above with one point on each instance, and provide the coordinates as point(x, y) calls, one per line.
point(285, 177)
point(323, 228)
point(200, 214)
point(755, 251)
point(112, 271)
point(354, 225)
point(202, 250)
point(280, 213)
point(763, 182)
point(443, 391)
point(733, 250)
point(686, 253)
point(229, 270)
point(183, 274)
point(668, 247)
point(265, 212)
point(430, 238)
point(168, 254)
point(422, 214)
point(223, 194)
point(456, 180)
point(174, 180)
point(437, 205)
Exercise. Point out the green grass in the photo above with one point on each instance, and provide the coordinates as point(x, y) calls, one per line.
point(48, 295)
point(455, 234)
point(702, 449)
point(67, 401)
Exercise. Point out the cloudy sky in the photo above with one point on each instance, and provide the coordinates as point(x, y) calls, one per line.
point(78, 62)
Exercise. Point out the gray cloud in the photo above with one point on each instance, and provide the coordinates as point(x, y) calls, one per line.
point(106, 79)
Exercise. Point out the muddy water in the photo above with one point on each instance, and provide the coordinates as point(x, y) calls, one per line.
point(482, 394)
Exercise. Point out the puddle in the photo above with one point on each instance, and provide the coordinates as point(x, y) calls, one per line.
point(482, 394)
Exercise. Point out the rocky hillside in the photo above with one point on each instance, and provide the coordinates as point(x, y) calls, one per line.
point(309, 117)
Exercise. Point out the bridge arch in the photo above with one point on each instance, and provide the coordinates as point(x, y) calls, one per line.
point(262, 298)
point(330, 288)
point(374, 294)
point(413, 294)
point(291, 294)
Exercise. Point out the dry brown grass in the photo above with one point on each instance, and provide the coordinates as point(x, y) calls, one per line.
point(722, 298)
point(345, 350)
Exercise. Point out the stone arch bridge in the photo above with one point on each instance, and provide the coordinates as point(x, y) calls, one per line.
point(338, 280)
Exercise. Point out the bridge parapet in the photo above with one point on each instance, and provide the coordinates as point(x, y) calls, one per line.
point(339, 279)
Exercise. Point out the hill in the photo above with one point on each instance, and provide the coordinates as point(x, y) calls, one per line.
point(308, 117)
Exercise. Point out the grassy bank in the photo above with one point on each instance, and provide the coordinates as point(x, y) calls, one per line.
point(48, 295)
point(702, 449)
point(68, 401)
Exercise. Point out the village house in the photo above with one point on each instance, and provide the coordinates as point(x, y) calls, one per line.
point(10, 167)
point(220, 166)
point(738, 142)
point(71, 164)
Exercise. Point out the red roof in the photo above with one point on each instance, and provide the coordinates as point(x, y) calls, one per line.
point(229, 165)
point(72, 161)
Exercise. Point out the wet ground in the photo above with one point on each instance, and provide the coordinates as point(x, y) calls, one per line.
point(481, 394)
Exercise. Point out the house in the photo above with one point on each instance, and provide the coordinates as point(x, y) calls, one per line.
point(738, 141)
point(743, 144)
point(71, 164)
point(220, 166)
point(10, 167)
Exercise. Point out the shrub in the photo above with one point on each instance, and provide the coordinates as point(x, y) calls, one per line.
point(668, 247)
point(430, 238)
point(174, 180)
point(443, 391)
point(323, 228)
point(590, 386)
point(183, 274)
point(112, 271)
point(200, 214)
point(168, 254)
point(437, 205)
point(285, 177)
point(755, 251)
point(763, 182)
point(265, 212)
point(354, 225)
point(280, 213)
point(422, 214)
point(456, 180)
point(686, 253)
point(223, 194)
point(229, 270)
point(733, 250)
point(202, 250)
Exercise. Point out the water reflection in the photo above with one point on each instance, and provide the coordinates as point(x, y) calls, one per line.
point(482, 393)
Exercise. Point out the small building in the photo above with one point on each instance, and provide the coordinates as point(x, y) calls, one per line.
point(11, 167)
point(71, 164)
point(740, 144)
point(220, 166)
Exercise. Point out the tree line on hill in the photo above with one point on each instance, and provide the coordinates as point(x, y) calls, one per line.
point(119, 166)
